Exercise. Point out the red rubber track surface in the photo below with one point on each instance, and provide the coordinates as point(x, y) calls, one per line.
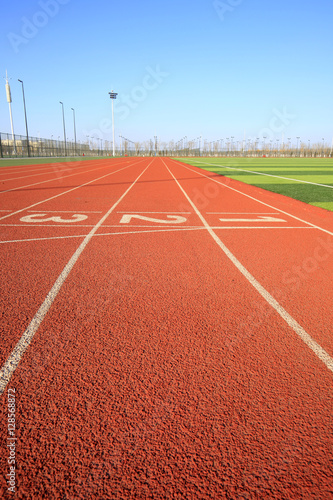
point(159, 371)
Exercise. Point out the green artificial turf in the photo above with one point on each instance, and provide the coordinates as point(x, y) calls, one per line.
point(306, 179)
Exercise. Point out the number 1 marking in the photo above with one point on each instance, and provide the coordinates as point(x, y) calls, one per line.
point(259, 219)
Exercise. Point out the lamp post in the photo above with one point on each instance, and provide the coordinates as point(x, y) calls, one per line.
point(113, 96)
point(222, 140)
point(63, 121)
point(298, 138)
point(74, 129)
point(25, 115)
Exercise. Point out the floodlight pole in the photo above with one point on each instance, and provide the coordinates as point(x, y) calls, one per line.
point(74, 129)
point(113, 96)
point(63, 120)
point(9, 100)
point(25, 115)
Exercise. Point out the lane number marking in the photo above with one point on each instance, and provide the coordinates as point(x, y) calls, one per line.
point(57, 218)
point(258, 219)
point(173, 219)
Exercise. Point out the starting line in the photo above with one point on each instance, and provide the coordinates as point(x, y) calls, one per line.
point(127, 218)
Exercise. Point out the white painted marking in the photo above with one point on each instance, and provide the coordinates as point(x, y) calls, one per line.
point(62, 212)
point(298, 329)
point(164, 230)
point(56, 166)
point(242, 213)
point(259, 219)
point(53, 179)
point(146, 225)
point(175, 219)
point(15, 357)
point(41, 225)
point(24, 170)
point(253, 198)
point(44, 218)
point(66, 192)
point(136, 212)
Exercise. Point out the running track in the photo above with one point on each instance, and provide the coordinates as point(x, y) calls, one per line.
point(167, 333)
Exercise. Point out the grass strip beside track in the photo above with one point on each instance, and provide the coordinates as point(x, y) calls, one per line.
point(305, 179)
point(13, 162)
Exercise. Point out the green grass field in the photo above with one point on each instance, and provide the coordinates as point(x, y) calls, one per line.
point(306, 179)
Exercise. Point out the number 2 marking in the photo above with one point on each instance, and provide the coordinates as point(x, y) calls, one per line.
point(176, 219)
point(44, 218)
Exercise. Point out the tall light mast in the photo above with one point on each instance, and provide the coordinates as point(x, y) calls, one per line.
point(113, 96)
point(9, 100)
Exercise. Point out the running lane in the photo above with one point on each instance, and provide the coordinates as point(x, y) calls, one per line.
point(36, 243)
point(285, 244)
point(131, 387)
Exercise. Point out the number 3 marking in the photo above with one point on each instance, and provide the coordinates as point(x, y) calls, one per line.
point(39, 218)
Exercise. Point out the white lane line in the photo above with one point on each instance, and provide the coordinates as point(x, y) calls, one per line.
point(55, 225)
point(13, 360)
point(44, 166)
point(139, 226)
point(78, 226)
point(276, 228)
point(298, 329)
point(164, 230)
point(243, 213)
point(64, 211)
point(252, 198)
point(137, 212)
point(66, 192)
point(267, 175)
point(22, 170)
point(54, 179)
point(56, 165)
point(36, 166)
point(187, 228)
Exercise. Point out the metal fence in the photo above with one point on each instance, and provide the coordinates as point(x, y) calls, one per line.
point(20, 146)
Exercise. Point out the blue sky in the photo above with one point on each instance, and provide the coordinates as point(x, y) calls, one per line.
point(181, 68)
